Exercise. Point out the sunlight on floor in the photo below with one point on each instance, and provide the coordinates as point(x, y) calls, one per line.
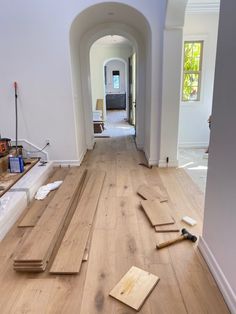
point(195, 163)
point(116, 124)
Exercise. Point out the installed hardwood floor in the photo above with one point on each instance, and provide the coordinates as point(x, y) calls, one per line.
point(122, 237)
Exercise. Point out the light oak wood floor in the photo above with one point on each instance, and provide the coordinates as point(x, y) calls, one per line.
point(122, 237)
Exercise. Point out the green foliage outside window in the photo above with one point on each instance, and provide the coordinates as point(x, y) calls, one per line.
point(192, 70)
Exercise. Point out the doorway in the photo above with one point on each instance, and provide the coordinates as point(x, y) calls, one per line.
point(112, 84)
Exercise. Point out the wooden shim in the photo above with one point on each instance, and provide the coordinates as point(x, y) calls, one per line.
point(167, 228)
point(87, 248)
point(134, 288)
point(39, 244)
point(70, 254)
point(149, 193)
point(36, 207)
point(158, 213)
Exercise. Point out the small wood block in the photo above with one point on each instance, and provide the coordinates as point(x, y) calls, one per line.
point(158, 213)
point(149, 193)
point(167, 228)
point(134, 288)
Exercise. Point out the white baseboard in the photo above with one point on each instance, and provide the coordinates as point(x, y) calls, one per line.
point(20, 195)
point(91, 145)
point(138, 144)
point(17, 202)
point(193, 145)
point(172, 163)
point(72, 163)
point(224, 286)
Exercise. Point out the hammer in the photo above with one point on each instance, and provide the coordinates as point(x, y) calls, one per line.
point(185, 235)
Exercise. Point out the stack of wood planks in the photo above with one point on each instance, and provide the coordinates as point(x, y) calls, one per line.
point(156, 208)
point(68, 213)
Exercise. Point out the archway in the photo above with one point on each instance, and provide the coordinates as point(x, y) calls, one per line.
point(85, 30)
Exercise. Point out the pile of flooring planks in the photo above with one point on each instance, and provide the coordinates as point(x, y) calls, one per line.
point(60, 217)
point(156, 208)
point(70, 254)
point(36, 208)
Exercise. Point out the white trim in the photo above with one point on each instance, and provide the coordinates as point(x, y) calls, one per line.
point(203, 8)
point(224, 286)
point(73, 163)
point(151, 162)
point(21, 194)
point(28, 146)
point(193, 145)
point(139, 145)
point(172, 163)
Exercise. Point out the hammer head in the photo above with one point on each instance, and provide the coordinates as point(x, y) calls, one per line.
point(188, 235)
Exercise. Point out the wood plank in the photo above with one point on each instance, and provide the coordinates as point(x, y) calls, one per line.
point(122, 237)
point(152, 193)
point(39, 244)
point(70, 254)
point(157, 213)
point(36, 207)
point(134, 288)
point(167, 228)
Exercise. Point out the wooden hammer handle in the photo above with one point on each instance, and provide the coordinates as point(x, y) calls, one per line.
point(167, 243)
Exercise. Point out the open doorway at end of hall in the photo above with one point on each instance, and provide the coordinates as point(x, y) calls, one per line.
point(113, 82)
point(120, 96)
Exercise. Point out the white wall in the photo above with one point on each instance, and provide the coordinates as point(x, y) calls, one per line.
point(36, 52)
point(99, 54)
point(193, 126)
point(146, 36)
point(172, 55)
point(219, 232)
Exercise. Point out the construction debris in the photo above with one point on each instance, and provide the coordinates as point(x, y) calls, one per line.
point(134, 288)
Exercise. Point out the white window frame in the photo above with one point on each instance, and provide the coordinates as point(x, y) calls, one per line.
point(195, 37)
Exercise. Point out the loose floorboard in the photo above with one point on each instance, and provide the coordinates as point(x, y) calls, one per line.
point(122, 237)
point(36, 207)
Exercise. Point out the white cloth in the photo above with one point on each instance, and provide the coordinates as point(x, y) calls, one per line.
point(44, 190)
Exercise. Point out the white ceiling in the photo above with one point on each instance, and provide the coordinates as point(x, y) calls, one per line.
point(113, 40)
point(193, 6)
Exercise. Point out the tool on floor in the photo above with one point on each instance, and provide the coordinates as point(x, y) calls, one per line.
point(16, 113)
point(185, 235)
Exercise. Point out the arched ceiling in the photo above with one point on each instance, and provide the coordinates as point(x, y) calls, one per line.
point(109, 13)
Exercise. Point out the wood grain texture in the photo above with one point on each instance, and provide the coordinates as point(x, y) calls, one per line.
point(122, 237)
point(152, 193)
point(157, 213)
point(134, 288)
point(167, 228)
point(39, 245)
point(70, 254)
point(36, 207)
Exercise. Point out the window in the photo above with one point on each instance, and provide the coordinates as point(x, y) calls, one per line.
point(192, 70)
point(116, 79)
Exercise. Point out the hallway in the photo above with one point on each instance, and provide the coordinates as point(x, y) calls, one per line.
point(122, 237)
